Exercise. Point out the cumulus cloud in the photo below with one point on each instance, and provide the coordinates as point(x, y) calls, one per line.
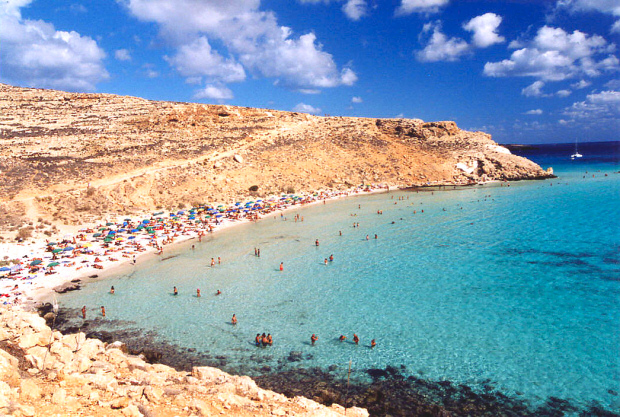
point(581, 84)
point(34, 53)
point(357, 100)
point(563, 93)
point(215, 92)
point(613, 84)
point(440, 47)
point(306, 108)
point(555, 55)
point(355, 9)
point(534, 90)
point(122, 55)
point(251, 39)
point(484, 30)
point(599, 106)
point(535, 112)
point(420, 6)
point(198, 59)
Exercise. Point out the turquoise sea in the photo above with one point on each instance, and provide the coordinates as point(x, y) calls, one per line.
point(514, 286)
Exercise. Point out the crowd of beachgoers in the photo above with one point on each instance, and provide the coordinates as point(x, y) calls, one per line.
point(34, 270)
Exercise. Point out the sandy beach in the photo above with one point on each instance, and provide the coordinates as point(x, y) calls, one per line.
point(41, 267)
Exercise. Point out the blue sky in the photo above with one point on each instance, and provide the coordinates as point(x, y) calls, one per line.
point(523, 71)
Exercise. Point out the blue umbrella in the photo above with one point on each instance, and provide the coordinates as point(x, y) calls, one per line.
point(218, 215)
point(147, 221)
point(68, 248)
point(5, 268)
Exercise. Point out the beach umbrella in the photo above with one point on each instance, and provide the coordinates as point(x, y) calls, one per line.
point(35, 262)
point(218, 215)
point(57, 250)
point(145, 221)
point(4, 269)
point(97, 235)
point(103, 228)
point(68, 248)
point(53, 264)
point(52, 244)
point(237, 203)
point(108, 240)
point(135, 230)
point(109, 224)
point(131, 237)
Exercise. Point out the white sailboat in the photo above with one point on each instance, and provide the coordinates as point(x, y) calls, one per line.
point(576, 154)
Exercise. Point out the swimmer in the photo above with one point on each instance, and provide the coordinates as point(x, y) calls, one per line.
point(103, 311)
point(325, 261)
point(193, 247)
point(212, 262)
point(219, 260)
point(264, 339)
point(340, 232)
point(112, 290)
point(257, 339)
point(234, 319)
point(377, 237)
point(331, 258)
point(373, 343)
point(367, 237)
point(281, 266)
point(342, 338)
point(198, 292)
point(259, 252)
point(218, 292)
point(84, 312)
point(269, 339)
point(313, 338)
point(316, 242)
point(175, 291)
point(356, 339)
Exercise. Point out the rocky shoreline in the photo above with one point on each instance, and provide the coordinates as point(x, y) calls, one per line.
point(46, 373)
point(383, 392)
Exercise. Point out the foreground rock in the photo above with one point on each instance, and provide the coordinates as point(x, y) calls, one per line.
point(46, 373)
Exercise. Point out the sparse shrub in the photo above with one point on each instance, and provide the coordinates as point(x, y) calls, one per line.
point(254, 188)
point(290, 190)
point(90, 191)
point(181, 206)
point(24, 233)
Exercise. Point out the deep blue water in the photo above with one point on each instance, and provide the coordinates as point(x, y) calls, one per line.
point(514, 286)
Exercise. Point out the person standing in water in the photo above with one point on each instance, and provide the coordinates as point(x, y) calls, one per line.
point(175, 291)
point(234, 319)
point(281, 266)
point(198, 292)
point(112, 290)
point(356, 339)
point(84, 312)
point(313, 338)
point(373, 343)
point(103, 311)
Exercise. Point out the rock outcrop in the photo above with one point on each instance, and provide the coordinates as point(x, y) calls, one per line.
point(46, 373)
point(67, 157)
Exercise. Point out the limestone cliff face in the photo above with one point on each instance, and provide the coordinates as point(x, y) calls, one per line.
point(66, 156)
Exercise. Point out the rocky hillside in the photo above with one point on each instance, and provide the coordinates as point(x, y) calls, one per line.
point(66, 157)
point(45, 373)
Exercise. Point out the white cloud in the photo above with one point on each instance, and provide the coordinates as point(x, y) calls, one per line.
point(122, 55)
point(613, 84)
point(198, 59)
point(214, 92)
point(355, 9)
point(581, 84)
point(534, 90)
point(357, 100)
point(555, 55)
point(420, 6)
point(563, 93)
point(252, 39)
point(484, 30)
point(400, 116)
point(309, 91)
point(306, 108)
point(440, 47)
point(611, 7)
point(597, 107)
point(151, 73)
point(535, 112)
point(34, 53)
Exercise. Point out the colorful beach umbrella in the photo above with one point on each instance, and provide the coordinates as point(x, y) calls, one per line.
point(53, 264)
point(35, 262)
point(58, 250)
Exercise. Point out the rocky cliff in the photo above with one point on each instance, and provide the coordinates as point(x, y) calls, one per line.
point(67, 156)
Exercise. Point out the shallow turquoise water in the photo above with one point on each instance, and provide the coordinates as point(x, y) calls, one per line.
point(514, 286)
